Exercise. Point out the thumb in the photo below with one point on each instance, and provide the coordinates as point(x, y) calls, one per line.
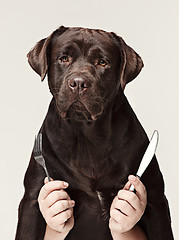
point(46, 180)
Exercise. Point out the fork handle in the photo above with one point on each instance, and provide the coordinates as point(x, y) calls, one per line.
point(47, 174)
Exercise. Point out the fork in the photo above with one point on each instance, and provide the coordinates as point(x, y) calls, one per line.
point(37, 151)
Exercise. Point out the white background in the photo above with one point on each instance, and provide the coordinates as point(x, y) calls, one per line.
point(150, 27)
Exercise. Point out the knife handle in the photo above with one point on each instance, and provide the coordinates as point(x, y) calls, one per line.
point(132, 188)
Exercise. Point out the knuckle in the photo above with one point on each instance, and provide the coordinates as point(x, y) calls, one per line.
point(64, 218)
point(68, 204)
point(144, 189)
point(114, 202)
point(116, 199)
point(143, 207)
point(58, 206)
point(144, 202)
point(49, 201)
point(115, 214)
point(39, 199)
point(132, 197)
point(62, 205)
point(68, 214)
point(137, 218)
point(145, 193)
point(56, 196)
point(112, 213)
point(140, 212)
point(52, 211)
point(63, 194)
point(42, 206)
point(142, 186)
point(111, 224)
point(122, 204)
point(120, 193)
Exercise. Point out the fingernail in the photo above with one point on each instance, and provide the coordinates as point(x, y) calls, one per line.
point(65, 184)
point(132, 178)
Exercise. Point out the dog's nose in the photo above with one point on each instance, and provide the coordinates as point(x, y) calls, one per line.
point(78, 83)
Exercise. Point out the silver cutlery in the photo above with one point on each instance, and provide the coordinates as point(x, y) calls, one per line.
point(148, 155)
point(37, 152)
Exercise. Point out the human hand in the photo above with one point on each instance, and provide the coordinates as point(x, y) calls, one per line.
point(56, 206)
point(127, 207)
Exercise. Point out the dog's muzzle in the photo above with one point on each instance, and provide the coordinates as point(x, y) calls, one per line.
point(78, 98)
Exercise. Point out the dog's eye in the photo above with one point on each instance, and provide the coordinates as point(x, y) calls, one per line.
point(64, 58)
point(102, 63)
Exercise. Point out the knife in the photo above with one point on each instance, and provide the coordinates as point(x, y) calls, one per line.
point(148, 155)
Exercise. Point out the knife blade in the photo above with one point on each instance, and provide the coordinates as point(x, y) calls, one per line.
point(148, 155)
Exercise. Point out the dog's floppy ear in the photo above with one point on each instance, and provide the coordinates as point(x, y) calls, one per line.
point(131, 62)
point(38, 56)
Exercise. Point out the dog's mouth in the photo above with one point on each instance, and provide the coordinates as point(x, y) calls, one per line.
point(81, 111)
point(78, 111)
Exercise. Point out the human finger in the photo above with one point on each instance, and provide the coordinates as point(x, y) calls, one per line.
point(61, 206)
point(130, 197)
point(55, 196)
point(127, 186)
point(139, 187)
point(118, 216)
point(51, 186)
point(69, 223)
point(46, 180)
point(62, 217)
point(124, 207)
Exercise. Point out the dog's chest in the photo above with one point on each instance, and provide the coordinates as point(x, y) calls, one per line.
point(91, 158)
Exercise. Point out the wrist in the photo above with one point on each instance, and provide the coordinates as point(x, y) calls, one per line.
point(51, 234)
point(136, 233)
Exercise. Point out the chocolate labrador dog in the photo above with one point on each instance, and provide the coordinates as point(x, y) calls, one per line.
point(91, 137)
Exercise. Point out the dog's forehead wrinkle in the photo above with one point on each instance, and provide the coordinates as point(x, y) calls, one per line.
point(69, 45)
point(84, 38)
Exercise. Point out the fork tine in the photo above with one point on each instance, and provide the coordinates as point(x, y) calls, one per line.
point(38, 153)
point(35, 143)
point(40, 142)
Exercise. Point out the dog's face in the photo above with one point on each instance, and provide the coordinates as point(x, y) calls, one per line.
point(83, 73)
point(85, 69)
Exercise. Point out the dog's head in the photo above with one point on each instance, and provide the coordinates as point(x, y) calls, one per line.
point(85, 68)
